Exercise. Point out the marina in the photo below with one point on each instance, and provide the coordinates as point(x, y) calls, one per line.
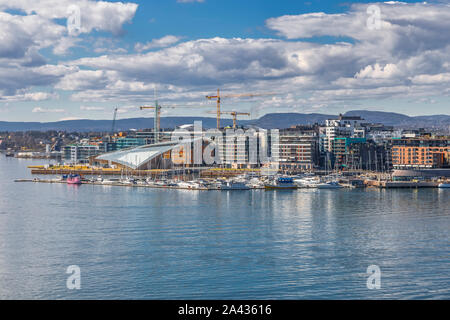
point(241, 182)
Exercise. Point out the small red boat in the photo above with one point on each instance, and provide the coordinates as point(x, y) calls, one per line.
point(74, 179)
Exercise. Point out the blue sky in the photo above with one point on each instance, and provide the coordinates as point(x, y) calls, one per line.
point(317, 56)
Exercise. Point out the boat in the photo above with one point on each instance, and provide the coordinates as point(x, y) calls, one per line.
point(255, 183)
point(74, 179)
point(307, 182)
point(233, 185)
point(444, 185)
point(329, 185)
point(9, 154)
point(281, 183)
point(188, 185)
point(128, 181)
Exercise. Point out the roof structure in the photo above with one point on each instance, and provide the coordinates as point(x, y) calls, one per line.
point(136, 157)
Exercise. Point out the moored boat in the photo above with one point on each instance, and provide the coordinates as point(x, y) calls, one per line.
point(444, 185)
point(283, 183)
point(329, 185)
point(74, 179)
point(233, 185)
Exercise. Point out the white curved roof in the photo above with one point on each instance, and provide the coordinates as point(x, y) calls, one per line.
point(136, 157)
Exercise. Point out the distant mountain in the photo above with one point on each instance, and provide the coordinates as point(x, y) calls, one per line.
point(286, 120)
point(401, 120)
point(268, 121)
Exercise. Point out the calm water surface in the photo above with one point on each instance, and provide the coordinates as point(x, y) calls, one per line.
point(173, 244)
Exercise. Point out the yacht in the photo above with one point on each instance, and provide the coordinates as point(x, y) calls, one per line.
point(444, 185)
point(329, 185)
point(307, 182)
point(255, 183)
point(188, 185)
point(281, 183)
point(128, 181)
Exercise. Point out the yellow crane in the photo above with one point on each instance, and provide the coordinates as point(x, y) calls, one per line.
point(234, 114)
point(218, 98)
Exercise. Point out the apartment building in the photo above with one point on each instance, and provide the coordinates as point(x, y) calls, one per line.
point(298, 149)
point(421, 152)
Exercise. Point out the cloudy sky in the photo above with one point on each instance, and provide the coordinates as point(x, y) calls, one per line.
point(63, 59)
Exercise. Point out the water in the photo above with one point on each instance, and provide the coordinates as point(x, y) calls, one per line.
point(173, 244)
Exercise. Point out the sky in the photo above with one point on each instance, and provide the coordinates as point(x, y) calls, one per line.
point(63, 59)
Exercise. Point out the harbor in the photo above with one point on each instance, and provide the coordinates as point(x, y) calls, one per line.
point(193, 180)
point(205, 232)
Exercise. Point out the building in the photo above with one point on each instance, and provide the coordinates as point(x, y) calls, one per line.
point(244, 149)
point(298, 149)
point(347, 151)
point(80, 153)
point(364, 154)
point(163, 155)
point(343, 126)
point(421, 153)
point(129, 142)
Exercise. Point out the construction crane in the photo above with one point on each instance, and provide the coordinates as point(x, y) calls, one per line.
point(234, 114)
point(157, 119)
point(218, 98)
point(114, 121)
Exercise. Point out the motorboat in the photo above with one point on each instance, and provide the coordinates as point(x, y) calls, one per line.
point(281, 183)
point(74, 179)
point(188, 185)
point(329, 185)
point(307, 182)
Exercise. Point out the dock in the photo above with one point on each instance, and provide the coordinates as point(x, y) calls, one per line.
point(402, 184)
point(120, 184)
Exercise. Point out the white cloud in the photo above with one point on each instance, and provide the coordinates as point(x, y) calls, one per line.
point(92, 108)
point(45, 110)
point(407, 57)
point(23, 36)
point(95, 15)
point(377, 71)
point(30, 96)
point(157, 43)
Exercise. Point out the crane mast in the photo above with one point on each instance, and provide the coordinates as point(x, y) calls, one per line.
point(156, 119)
point(218, 98)
point(114, 121)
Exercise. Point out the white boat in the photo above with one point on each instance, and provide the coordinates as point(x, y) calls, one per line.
point(188, 185)
point(110, 181)
point(307, 182)
point(160, 183)
point(444, 185)
point(255, 183)
point(128, 181)
point(329, 185)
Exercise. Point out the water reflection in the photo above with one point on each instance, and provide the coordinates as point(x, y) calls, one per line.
point(155, 243)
